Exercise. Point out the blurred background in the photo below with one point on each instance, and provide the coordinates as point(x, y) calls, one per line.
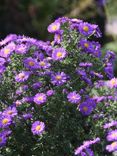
point(31, 17)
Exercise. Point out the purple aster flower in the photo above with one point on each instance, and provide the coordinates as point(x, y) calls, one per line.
point(81, 72)
point(86, 45)
point(3, 140)
point(10, 111)
point(7, 50)
point(23, 76)
point(58, 78)
point(85, 64)
point(38, 128)
point(86, 29)
point(18, 103)
point(110, 124)
point(44, 64)
point(109, 70)
point(59, 54)
point(37, 85)
point(58, 37)
point(54, 27)
point(112, 136)
point(39, 55)
point(112, 147)
point(5, 121)
point(110, 56)
point(6, 132)
point(40, 98)
point(75, 20)
point(28, 99)
point(74, 97)
point(111, 83)
point(50, 92)
point(31, 63)
point(87, 106)
point(9, 38)
point(21, 49)
point(94, 74)
point(27, 116)
point(86, 145)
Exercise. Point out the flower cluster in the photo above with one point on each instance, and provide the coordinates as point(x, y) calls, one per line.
point(48, 85)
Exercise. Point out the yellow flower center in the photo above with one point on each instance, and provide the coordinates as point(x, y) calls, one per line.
point(59, 54)
point(0, 139)
point(58, 77)
point(86, 45)
point(31, 63)
point(58, 37)
point(38, 128)
point(21, 75)
point(114, 144)
point(54, 27)
point(42, 63)
point(73, 97)
point(113, 81)
point(85, 108)
point(40, 98)
point(86, 28)
point(10, 112)
point(5, 121)
point(114, 135)
point(6, 51)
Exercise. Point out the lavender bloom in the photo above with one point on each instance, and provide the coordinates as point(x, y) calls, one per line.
point(37, 85)
point(31, 63)
point(109, 70)
point(86, 45)
point(23, 76)
point(7, 50)
point(3, 140)
point(21, 49)
point(111, 83)
point(85, 64)
point(112, 136)
point(59, 54)
point(27, 116)
point(40, 98)
point(5, 121)
point(112, 147)
point(58, 37)
point(86, 145)
point(94, 74)
point(86, 29)
point(28, 99)
point(59, 78)
point(10, 111)
point(44, 64)
point(87, 106)
point(110, 56)
point(74, 97)
point(110, 124)
point(9, 38)
point(54, 27)
point(50, 92)
point(38, 128)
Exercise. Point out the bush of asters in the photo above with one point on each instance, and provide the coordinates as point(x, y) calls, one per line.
point(47, 95)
